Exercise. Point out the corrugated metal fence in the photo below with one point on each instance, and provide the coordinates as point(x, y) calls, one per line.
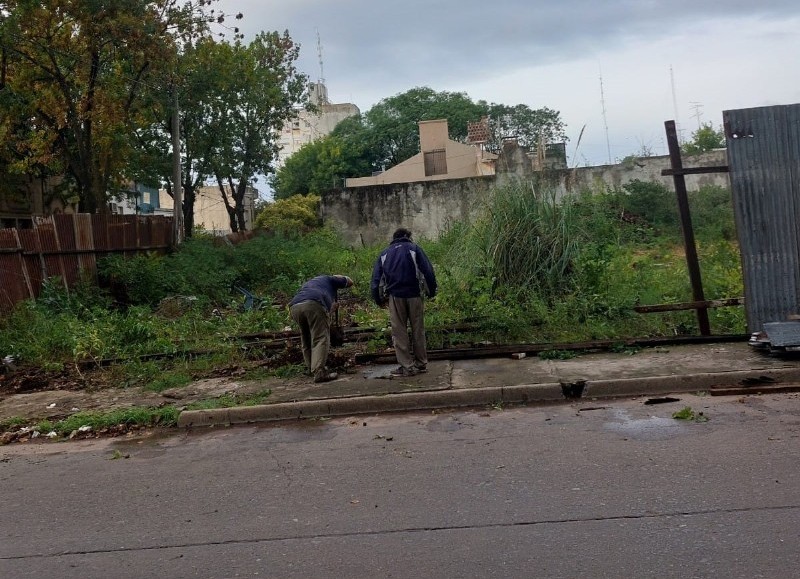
point(764, 166)
point(68, 246)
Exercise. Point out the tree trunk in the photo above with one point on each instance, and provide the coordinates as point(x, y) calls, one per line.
point(231, 210)
point(189, 195)
point(239, 198)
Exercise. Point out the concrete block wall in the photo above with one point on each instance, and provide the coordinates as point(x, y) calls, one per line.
point(369, 215)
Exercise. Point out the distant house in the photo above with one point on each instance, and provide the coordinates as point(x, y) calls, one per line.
point(135, 199)
point(309, 126)
point(209, 209)
point(439, 158)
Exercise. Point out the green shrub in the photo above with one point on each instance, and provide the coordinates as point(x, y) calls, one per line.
point(297, 213)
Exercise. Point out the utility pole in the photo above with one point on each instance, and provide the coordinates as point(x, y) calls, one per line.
point(177, 190)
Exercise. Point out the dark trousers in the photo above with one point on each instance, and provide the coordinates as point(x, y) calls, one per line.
point(402, 313)
point(314, 334)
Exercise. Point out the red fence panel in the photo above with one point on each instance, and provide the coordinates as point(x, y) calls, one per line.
point(69, 246)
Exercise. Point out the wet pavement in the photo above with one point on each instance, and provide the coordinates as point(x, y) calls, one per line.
point(508, 380)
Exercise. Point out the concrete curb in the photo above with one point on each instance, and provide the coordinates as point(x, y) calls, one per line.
point(686, 382)
point(429, 399)
point(466, 397)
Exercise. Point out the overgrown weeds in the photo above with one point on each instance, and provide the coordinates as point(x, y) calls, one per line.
point(530, 267)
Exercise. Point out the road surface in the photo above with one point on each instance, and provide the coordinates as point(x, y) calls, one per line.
point(593, 489)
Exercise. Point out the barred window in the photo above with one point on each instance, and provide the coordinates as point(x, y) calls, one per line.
point(436, 162)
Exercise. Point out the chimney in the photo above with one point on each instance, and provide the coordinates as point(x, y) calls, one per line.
point(433, 135)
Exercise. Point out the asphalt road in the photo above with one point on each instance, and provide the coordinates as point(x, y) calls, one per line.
point(596, 489)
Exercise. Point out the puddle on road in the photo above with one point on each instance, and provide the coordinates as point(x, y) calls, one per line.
point(652, 428)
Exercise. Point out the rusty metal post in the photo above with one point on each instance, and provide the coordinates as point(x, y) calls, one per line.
point(692, 262)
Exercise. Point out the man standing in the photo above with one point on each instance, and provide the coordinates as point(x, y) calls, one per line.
point(406, 273)
point(310, 309)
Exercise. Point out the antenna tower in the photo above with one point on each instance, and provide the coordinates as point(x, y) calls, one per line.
point(322, 90)
point(675, 104)
point(605, 120)
point(319, 54)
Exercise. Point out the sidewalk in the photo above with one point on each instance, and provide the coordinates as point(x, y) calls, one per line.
point(725, 368)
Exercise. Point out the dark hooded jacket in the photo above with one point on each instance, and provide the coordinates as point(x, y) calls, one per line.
point(321, 289)
point(396, 263)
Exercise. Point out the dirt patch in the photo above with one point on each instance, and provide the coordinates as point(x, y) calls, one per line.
point(31, 395)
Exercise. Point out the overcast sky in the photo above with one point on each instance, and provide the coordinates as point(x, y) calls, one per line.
point(712, 55)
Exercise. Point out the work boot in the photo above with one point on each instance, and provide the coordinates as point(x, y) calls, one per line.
point(403, 371)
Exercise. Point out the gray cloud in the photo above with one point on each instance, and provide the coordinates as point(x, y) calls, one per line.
point(445, 40)
point(727, 54)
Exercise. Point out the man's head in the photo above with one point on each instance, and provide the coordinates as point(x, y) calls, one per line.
point(400, 233)
point(347, 280)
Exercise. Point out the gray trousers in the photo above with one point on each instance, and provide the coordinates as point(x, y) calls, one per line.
point(314, 334)
point(402, 312)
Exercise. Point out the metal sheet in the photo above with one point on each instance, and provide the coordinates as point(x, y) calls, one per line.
point(764, 161)
point(783, 334)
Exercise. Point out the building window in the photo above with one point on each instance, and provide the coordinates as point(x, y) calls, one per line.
point(436, 162)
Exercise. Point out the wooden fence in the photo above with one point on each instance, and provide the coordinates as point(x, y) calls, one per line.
point(69, 246)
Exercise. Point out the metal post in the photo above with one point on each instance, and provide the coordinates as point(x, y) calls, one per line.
point(692, 262)
point(177, 191)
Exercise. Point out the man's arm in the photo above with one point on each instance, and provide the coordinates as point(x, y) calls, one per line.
point(377, 272)
point(426, 268)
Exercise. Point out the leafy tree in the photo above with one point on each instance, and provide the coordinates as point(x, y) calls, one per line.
point(202, 70)
point(83, 75)
point(393, 122)
point(388, 134)
point(706, 138)
point(260, 90)
point(528, 126)
point(320, 165)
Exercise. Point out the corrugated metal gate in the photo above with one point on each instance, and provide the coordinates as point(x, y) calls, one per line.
point(69, 246)
point(764, 165)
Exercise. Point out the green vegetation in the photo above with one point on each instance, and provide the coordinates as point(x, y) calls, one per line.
point(388, 134)
point(558, 354)
point(528, 269)
point(687, 413)
point(705, 138)
point(89, 92)
point(296, 213)
point(163, 416)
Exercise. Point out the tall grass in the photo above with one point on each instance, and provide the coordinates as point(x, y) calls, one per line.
point(529, 239)
point(529, 268)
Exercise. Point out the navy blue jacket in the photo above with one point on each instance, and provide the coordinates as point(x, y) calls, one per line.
point(395, 262)
point(322, 289)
